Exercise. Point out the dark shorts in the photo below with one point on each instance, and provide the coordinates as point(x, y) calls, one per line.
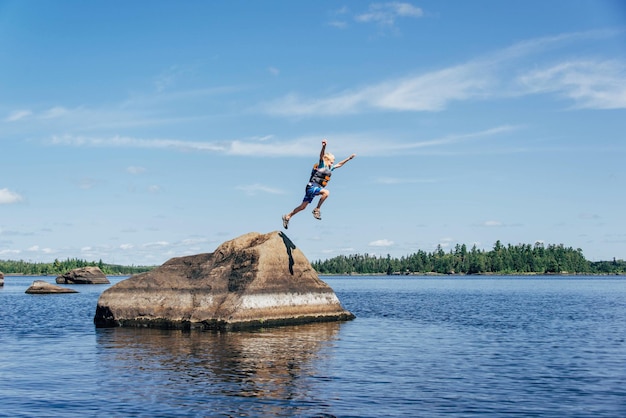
point(311, 191)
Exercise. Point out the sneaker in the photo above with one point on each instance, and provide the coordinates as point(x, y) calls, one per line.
point(317, 214)
point(285, 222)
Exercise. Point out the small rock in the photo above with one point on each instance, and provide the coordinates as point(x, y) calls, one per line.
point(84, 275)
point(42, 287)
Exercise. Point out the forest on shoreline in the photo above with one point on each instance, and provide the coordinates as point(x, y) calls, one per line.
point(58, 267)
point(518, 259)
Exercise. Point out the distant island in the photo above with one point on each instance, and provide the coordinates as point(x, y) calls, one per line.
point(58, 267)
point(520, 259)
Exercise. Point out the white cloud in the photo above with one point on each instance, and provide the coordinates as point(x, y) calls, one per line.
point(156, 244)
point(273, 71)
point(8, 197)
point(394, 180)
point(427, 92)
point(126, 246)
point(255, 189)
point(55, 112)
point(36, 248)
point(4, 252)
point(135, 169)
point(193, 241)
point(17, 115)
point(129, 142)
point(365, 144)
point(339, 24)
point(168, 78)
point(338, 18)
point(87, 183)
point(590, 84)
point(257, 146)
point(386, 13)
point(381, 243)
point(492, 223)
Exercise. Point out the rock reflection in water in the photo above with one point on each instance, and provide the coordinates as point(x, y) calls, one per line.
point(268, 372)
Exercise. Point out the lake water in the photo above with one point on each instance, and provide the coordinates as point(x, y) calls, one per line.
point(419, 347)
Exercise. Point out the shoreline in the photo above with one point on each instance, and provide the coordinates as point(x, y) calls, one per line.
point(431, 274)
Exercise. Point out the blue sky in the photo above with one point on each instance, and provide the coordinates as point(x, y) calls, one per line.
point(134, 132)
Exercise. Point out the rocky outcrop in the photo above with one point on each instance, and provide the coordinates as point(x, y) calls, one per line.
point(255, 280)
point(1, 278)
point(42, 287)
point(84, 275)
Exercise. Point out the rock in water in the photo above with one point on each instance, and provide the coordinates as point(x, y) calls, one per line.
point(41, 287)
point(84, 275)
point(255, 280)
point(1, 279)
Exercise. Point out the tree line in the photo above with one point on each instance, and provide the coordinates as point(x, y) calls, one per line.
point(58, 267)
point(510, 259)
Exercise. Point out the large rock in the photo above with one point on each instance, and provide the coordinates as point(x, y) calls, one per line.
point(84, 275)
point(255, 280)
point(1, 278)
point(43, 287)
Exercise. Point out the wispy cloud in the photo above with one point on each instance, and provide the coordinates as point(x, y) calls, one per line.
point(11, 252)
point(592, 83)
point(372, 145)
point(339, 24)
point(136, 169)
point(493, 223)
point(364, 144)
point(338, 19)
point(55, 112)
point(130, 142)
point(425, 92)
point(273, 71)
point(38, 249)
point(381, 243)
point(385, 14)
point(255, 189)
point(7, 197)
point(167, 107)
point(168, 78)
point(445, 242)
point(395, 180)
point(156, 244)
point(258, 146)
point(87, 183)
point(17, 115)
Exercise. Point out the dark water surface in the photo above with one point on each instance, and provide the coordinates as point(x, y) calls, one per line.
point(420, 347)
